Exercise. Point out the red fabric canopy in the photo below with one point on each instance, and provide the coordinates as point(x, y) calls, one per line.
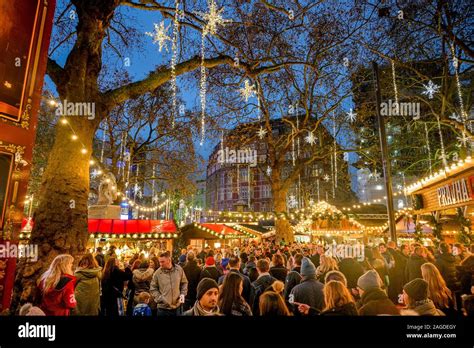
point(116, 226)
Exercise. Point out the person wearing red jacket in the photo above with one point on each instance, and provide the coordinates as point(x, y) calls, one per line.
point(57, 287)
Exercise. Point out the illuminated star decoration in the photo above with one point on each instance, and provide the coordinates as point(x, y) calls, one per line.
point(430, 89)
point(163, 194)
point(455, 117)
point(155, 199)
point(160, 35)
point(94, 173)
point(326, 178)
point(213, 18)
point(351, 116)
point(261, 132)
point(310, 138)
point(247, 91)
point(269, 170)
point(463, 139)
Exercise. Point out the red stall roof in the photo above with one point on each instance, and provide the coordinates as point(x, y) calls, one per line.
point(146, 228)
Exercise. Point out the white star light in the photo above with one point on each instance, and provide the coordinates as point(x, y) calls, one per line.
point(213, 18)
point(247, 91)
point(155, 199)
point(160, 35)
point(455, 117)
point(310, 138)
point(430, 89)
point(463, 139)
point(94, 173)
point(269, 171)
point(261, 133)
point(351, 116)
point(326, 178)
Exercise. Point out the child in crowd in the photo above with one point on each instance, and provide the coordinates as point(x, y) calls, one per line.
point(142, 309)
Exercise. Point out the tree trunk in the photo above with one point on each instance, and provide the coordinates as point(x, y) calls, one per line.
point(283, 231)
point(60, 221)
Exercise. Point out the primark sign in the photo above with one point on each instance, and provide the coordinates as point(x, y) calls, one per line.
point(454, 193)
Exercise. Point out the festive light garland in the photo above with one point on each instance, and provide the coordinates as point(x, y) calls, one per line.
point(174, 59)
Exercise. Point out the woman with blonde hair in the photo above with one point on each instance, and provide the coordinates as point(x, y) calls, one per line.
point(87, 290)
point(272, 305)
point(326, 265)
point(438, 292)
point(338, 300)
point(57, 287)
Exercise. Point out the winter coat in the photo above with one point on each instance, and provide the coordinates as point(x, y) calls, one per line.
point(60, 300)
point(210, 272)
point(352, 270)
point(397, 275)
point(446, 264)
point(413, 267)
point(246, 283)
point(466, 278)
point(258, 288)
point(376, 302)
point(250, 270)
point(293, 278)
point(100, 260)
point(141, 279)
point(198, 311)
point(112, 291)
point(427, 308)
point(87, 291)
point(310, 292)
point(349, 309)
point(167, 285)
point(142, 310)
point(279, 273)
point(193, 274)
point(240, 310)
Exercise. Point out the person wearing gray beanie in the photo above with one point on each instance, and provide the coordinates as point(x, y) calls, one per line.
point(374, 300)
point(310, 290)
point(369, 280)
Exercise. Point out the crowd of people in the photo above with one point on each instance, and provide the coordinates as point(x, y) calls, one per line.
point(262, 279)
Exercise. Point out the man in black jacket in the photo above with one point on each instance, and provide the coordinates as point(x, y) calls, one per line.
point(446, 263)
point(397, 273)
point(234, 265)
point(192, 272)
point(263, 281)
point(413, 268)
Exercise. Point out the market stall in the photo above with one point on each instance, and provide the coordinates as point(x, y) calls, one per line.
point(215, 235)
point(130, 236)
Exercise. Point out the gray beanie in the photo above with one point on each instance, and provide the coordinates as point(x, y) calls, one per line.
point(369, 280)
point(307, 268)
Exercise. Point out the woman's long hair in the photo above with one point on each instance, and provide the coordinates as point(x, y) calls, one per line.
point(230, 293)
point(88, 261)
point(328, 263)
point(438, 292)
point(336, 295)
point(108, 268)
point(272, 304)
point(62, 264)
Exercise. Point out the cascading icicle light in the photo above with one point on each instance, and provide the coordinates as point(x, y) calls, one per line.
point(174, 59)
point(429, 148)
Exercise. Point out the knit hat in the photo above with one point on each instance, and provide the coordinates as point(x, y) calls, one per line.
point(417, 289)
point(204, 285)
point(369, 280)
point(210, 261)
point(182, 258)
point(307, 268)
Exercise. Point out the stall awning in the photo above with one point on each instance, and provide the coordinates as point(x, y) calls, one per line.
point(115, 228)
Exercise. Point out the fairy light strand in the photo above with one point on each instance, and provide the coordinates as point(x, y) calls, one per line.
point(174, 59)
point(429, 148)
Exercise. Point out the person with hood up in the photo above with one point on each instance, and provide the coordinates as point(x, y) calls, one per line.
point(87, 291)
point(374, 300)
point(207, 297)
point(310, 290)
point(415, 296)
